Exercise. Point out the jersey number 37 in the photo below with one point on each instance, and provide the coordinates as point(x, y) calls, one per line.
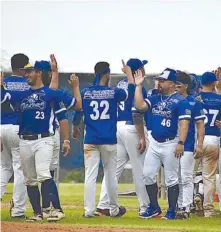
point(103, 113)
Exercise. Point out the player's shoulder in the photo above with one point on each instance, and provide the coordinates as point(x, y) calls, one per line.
point(151, 92)
point(14, 78)
point(123, 84)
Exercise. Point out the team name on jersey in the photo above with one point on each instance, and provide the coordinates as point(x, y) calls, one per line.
point(122, 85)
point(33, 102)
point(99, 94)
point(162, 109)
point(17, 86)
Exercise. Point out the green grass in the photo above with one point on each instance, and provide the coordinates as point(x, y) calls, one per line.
point(72, 202)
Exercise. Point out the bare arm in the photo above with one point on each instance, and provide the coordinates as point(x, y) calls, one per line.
point(54, 68)
point(74, 82)
point(200, 138)
point(64, 130)
point(139, 125)
point(184, 126)
point(139, 102)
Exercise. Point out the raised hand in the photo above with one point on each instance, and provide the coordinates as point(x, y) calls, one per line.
point(126, 69)
point(53, 62)
point(139, 77)
point(73, 81)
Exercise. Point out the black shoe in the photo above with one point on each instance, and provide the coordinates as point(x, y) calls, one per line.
point(103, 212)
point(122, 211)
point(19, 217)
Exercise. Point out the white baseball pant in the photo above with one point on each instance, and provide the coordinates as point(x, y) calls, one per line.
point(127, 141)
point(186, 180)
point(56, 152)
point(210, 164)
point(36, 157)
point(10, 161)
point(92, 156)
point(158, 154)
point(219, 179)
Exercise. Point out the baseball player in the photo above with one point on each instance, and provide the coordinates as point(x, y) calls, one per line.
point(100, 118)
point(212, 108)
point(218, 91)
point(169, 110)
point(131, 144)
point(183, 85)
point(49, 76)
point(10, 157)
point(38, 107)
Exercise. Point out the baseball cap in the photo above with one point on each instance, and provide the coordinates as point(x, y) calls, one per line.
point(39, 65)
point(184, 78)
point(135, 64)
point(208, 78)
point(168, 75)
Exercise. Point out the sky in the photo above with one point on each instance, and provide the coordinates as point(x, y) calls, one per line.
point(184, 35)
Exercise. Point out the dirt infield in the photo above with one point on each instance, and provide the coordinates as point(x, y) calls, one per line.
point(28, 227)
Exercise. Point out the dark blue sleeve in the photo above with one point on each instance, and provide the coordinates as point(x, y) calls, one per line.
point(123, 95)
point(198, 112)
point(59, 107)
point(67, 99)
point(184, 110)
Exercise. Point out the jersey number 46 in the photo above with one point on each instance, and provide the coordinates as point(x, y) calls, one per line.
point(166, 122)
point(104, 105)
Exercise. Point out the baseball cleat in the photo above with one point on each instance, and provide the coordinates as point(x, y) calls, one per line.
point(122, 211)
point(35, 218)
point(170, 215)
point(55, 215)
point(46, 212)
point(19, 217)
point(182, 214)
point(102, 212)
point(199, 205)
point(151, 212)
point(90, 216)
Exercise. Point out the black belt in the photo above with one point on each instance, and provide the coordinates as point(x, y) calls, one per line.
point(164, 140)
point(35, 136)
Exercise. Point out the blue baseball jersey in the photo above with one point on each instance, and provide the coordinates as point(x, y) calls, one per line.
point(166, 112)
point(13, 83)
point(100, 112)
point(124, 107)
point(212, 109)
point(197, 113)
point(148, 115)
point(38, 109)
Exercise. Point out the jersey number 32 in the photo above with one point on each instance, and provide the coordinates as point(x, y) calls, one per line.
point(103, 114)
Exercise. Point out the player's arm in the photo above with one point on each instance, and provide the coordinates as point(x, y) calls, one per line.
point(76, 121)
point(54, 69)
point(199, 117)
point(74, 82)
point(184, 116)
point(139, 101)
point(138, 119)
point(60, 112)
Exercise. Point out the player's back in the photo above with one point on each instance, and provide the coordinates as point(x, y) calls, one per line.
point(212, 109)
point(100, 114)
point(13, 83)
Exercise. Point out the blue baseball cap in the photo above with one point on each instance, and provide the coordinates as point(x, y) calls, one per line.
point(136, 64)
point(208, 78)
point(195, 83)
point(168, 75)
point(39, 65)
